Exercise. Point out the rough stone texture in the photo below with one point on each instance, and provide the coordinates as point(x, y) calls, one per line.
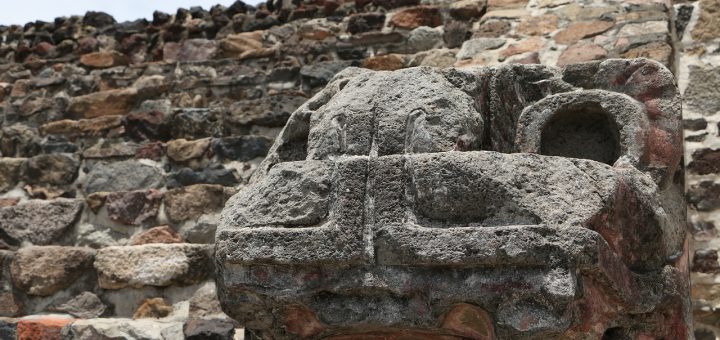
point(85, 305)
point(48, 269)
point(38, 222)
point(123, 176)
point(161, 234)
point(153, 308)
point(213, 329)
point(122, 329)
point(192, 201)
point(41, 327)
point(423, 210)
point(133, 207)
point(250, 67)
point(152, 265)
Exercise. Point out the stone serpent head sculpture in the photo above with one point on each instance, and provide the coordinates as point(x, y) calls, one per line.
point(508, 202)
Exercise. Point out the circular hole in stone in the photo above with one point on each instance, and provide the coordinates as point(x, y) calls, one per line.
point(582, 131)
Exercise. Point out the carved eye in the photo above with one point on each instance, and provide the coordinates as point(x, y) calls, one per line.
point(583, 131)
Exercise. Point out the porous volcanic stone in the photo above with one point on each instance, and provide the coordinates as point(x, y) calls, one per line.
point(192, 201)
point(85, 305)
point(161, 234)
point(51, 169)
point(123, 176)
point(119, 328)
point(38, 221)
point(133, 207)
point(152, 265)
point(46, 270)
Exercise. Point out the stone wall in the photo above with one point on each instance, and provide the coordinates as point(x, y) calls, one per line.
point(120, 142)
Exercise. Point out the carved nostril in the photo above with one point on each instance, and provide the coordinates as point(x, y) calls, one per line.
point(585, 131)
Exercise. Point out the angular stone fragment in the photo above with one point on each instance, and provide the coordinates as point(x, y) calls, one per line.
point(190, 50)
point(51, 169)
point(708, 23)
point(133, 207)
point(85, 305)
point(538, 25)
point(216, 329)
point(417, 16)
point(104, 59)
point(153, 308)
point(45, 327)
point(119, 328)
point(388, 62)
point(581, 30)
point(581, 52)
point(10, 172)
point(212, 174)
point(104, 103)
point(46, 270)
point(705, 161)
point(83, 127)
point(703, 89)
point(181, 150)
point(161, 234)
point(192, 201)
point(472, 47)
point(241, 148)
point(123, 176)
point(39, 222)
point(152, 265)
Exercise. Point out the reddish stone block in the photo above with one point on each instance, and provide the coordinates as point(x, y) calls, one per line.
point(41, 328)
point(416, 17)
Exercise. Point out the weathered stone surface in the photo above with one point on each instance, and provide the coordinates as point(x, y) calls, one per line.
point(581, 30)
point(123, 176)
point(46, 270)
point(10, 172)
point(85, 305)
point(703, 89)
point(37, 221)
point(538, 25)
point(8, 328)
point(83, 127)
point(705, 161)
point(417, 16)
point(527, 45)
point(110, 102)
point(152, 265)
point(153, 308)
point(119, 328)
point(181, 150)
point(242, 148)
point(365, 22)
point(581, 52)
point(192, 201)
point(190, 50)
point(467, 9)
point(705, 196)
point(200, 329)
point(212, 174)
point(405, 180)
point(51, 169)
point(44, 327)
point(269, 111)
point(472, 47)
point(388, 62)
point(133, 207)
point(659, 51)
point(161, 234)
point(708, 23)
point(104, 59)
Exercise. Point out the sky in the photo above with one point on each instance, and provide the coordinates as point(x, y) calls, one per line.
point(23, 11)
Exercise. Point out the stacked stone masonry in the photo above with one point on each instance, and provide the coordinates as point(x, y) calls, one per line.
point(121, 142)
